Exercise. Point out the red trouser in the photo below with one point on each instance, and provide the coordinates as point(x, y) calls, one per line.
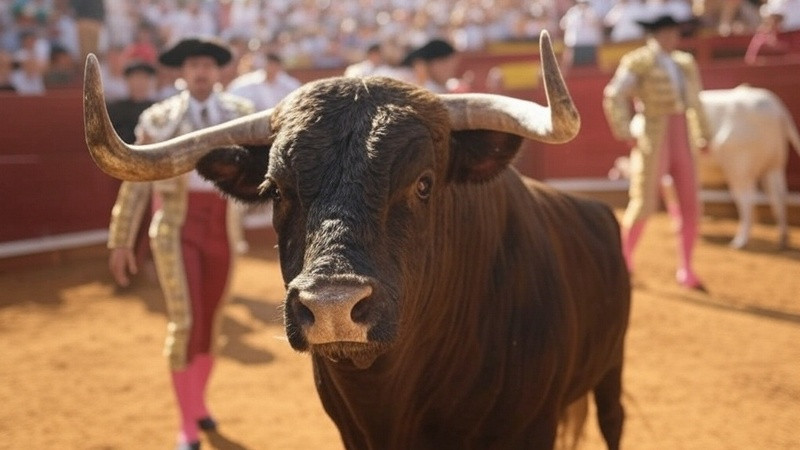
point(207, 261)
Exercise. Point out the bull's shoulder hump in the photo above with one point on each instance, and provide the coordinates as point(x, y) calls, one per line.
point(565, 210)
point(545, 192)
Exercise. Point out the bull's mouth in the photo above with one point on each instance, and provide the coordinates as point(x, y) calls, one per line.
point(361, 355)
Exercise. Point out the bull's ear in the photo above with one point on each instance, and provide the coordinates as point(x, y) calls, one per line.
point(479, 155)
point(237, 171)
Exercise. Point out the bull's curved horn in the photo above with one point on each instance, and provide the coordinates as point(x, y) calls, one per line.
point(163, 160)
point(557, 123)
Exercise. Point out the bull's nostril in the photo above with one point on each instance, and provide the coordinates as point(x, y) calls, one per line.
point(303, 314)
point(360, 312)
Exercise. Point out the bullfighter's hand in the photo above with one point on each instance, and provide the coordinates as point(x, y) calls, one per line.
point(121, 262)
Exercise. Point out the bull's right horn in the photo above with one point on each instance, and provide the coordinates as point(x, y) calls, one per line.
point(557, 123)
point(166, 159)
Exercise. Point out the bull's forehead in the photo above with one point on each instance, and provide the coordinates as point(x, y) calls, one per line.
point(350, 134)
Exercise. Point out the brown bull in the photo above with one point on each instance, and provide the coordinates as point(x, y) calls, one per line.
point(447, 301)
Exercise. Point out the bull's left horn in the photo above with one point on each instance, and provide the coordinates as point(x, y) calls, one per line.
point(163, 160)
point(557, 123)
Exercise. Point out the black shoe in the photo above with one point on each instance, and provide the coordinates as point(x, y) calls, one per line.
point(188, 446)
point(207, 424)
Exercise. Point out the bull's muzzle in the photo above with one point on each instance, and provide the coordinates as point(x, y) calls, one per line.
point(329, 311)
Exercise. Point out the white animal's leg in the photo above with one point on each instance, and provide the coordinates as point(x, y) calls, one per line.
point(775, 186)
point(744, 196)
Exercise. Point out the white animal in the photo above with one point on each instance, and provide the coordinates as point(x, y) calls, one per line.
point(751, 129)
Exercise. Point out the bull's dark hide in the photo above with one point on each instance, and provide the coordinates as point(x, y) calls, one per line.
point(495, 300)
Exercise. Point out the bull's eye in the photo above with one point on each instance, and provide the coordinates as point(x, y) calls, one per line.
point(424, 186)
point(274, 193)
point(270, 190)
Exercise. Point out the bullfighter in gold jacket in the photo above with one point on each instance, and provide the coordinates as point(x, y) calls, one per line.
point(192, 231)
point(653, 103)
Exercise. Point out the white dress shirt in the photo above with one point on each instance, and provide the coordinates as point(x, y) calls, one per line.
point(264, 95)
point(202, 115)
point(582, 26)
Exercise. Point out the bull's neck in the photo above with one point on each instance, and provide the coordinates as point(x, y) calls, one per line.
point(469, 229)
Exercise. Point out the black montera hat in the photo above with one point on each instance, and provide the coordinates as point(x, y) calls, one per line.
point(663, 21)
point(186, 48)
point(434, 49)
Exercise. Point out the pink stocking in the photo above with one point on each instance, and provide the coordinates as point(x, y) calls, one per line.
point(688, 229)
point(682, 170)
point(182, 383)
point(630, 237)
point(203, 363)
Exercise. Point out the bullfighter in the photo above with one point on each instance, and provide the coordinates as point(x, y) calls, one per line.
point(652, 102)
point(192, 230)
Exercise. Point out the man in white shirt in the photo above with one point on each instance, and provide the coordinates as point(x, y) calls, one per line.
point(583, 33)
point(790, 10)
point(372, 61)
point(433, 67)
point(265, 87)
point(622, 20)
point(32, 58)
point(192, 20)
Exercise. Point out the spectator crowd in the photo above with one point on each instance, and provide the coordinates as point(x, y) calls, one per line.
point(43, 42)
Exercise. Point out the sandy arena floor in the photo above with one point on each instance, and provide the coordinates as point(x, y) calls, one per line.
point(81, 364)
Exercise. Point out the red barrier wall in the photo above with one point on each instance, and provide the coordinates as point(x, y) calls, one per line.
point(50, 185)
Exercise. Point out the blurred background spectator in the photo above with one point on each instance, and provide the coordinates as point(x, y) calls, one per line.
point(621, 21)
point(112, 68)
point(62, 71)
point(790, 10)
point(62, 30)
point(729, 16)
point(140, 80)
point(371, 62)
point(583, 33)
point(89, 18)
point(265, 87)
point(144, 46)
point(31, 60)
point(6, 68)
point(433, 66)
point(767, 40)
